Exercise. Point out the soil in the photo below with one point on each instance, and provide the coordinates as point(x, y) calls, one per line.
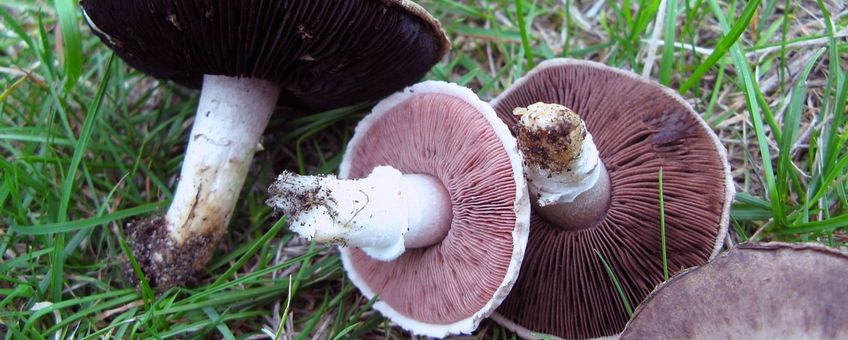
point(552, 148)
point(300, 198)
point(166, 264)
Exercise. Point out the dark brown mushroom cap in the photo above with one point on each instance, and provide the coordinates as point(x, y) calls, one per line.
point(639, 127)
point(754, 291)
point(323, 53)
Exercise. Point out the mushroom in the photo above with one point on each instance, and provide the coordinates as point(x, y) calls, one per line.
point(594, 140)
point(248, 56)
point(431, 212)
point(753, 291)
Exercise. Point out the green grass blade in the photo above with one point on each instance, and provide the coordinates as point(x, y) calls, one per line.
point(11, 23)
point(662, 227)
point(63, 227)
point(669, 30)
point(56, 271)
point(724, 45)
point(252, 250)
point(835, 138)
point(82, 144)
point(525, 38)
point(828, 225)
point(828, 181)
point(344, 332)
point(644, 15)
point(833, 105)
point(217, 320)
point(747, 212)
point(73, 302)
point(22, 261)
point(146, 291)
point(71, 41)
point(91, 310)
point(791, 122)
point(621, 294)
point(748, 85)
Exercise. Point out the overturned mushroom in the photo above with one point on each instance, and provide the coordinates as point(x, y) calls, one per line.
point(431, 213)
point(753, 291)
point(594, 140)
point(250, 55)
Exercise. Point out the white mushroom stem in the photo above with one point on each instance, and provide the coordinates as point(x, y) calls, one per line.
point(230, 119)
point(567, 180)
point(383, 214)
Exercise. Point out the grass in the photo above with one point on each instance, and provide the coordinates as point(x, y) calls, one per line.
point(663, 247)
point(621, 293)
point(88, 143)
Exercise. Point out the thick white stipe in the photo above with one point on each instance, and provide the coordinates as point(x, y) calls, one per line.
point(383, 214)
point(230, 119)
point(564, 187)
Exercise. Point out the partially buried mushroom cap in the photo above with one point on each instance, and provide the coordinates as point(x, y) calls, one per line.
point(754, 291)
point(639, 127)
point(322, 53)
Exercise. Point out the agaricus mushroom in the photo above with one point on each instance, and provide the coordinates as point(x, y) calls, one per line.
point(594, 187)
point(431, 211)
point(754, 291)
point(308, 55)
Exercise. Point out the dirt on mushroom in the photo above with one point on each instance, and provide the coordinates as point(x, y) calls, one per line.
point(305, 199)
point(167, 264)
point(554, 146)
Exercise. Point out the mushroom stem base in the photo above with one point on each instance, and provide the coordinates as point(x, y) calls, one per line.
point(165, 264)
point(230, 119)
point(585, 211)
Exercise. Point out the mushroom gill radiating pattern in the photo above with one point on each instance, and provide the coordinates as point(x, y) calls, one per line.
point(444, 137)
point(563, 288)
